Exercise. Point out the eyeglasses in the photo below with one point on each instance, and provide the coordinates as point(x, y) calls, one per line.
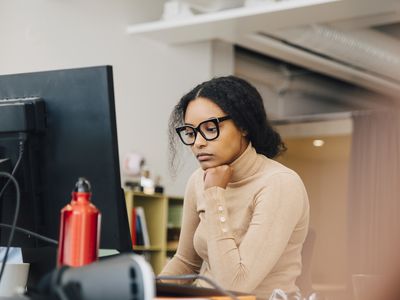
point(209, 130)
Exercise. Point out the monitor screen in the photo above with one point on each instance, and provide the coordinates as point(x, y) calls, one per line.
point(67, 121)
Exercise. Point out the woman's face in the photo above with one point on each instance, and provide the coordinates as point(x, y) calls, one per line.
point(230, 143)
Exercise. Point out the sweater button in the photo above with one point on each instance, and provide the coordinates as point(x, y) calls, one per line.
point(222, 219)
point(224, 230)
point(220, 208)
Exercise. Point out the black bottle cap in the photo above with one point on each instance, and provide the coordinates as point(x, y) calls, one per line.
point(82, 186)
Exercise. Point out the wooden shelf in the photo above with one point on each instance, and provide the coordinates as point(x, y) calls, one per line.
point(171, 249)
point(143, 248)
point(141, 194)
point(157, 208)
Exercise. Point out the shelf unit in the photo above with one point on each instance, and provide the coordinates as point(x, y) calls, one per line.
point(159, 210)
point(232, 24)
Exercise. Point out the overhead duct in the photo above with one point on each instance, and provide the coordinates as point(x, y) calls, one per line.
point(289, 90)
point(366, 49)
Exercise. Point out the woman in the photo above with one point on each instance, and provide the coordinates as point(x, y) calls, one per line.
point(245, 216)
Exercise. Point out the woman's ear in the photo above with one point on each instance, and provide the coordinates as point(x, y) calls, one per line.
point(244, 132)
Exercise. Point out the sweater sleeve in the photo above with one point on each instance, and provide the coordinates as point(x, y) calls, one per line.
point(277, 209)
point(186, 260)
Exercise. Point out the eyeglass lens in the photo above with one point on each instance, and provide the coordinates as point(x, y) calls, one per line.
point(208, 129)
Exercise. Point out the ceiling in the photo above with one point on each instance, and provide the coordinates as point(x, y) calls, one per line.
point(356, 41)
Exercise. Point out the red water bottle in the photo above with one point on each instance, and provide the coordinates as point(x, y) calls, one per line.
point(79, 228)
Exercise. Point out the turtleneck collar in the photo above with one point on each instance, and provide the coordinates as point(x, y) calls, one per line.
point(246, 164)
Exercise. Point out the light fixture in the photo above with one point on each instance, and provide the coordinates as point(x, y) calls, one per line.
point(318, 143)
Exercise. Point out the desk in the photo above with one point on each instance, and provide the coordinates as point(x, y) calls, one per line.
point(248, 297)
point(167, 291)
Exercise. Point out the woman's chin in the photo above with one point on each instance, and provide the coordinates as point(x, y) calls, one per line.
point(207, 164)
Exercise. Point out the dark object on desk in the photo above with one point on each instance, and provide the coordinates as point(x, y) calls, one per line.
point(121, 277)
point(68, 119)
point(179, 290)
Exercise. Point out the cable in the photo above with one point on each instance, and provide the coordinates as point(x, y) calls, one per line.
point(14, 223)
point(21, 152)
point(28, 232)
point(196, 276)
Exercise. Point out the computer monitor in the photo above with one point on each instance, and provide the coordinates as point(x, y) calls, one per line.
point(68, 120)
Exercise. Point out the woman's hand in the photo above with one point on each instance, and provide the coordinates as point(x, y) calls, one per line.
point(218, 176)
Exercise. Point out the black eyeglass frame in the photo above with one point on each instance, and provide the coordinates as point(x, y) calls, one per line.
point(197, 129)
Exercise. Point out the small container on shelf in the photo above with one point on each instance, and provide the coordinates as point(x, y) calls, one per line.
point(158, 188)
point(146, 183)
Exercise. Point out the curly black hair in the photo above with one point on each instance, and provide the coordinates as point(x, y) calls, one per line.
point(239, 99)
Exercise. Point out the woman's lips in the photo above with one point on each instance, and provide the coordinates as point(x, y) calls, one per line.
point(204, 156)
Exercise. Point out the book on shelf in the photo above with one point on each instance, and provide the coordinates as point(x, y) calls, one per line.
point(133, 226)
point(141, 232)
point(138, 231)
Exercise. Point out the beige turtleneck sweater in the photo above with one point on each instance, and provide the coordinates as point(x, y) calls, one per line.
point(247, 237)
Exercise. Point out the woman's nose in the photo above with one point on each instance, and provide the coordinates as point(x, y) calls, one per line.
point(200, 141)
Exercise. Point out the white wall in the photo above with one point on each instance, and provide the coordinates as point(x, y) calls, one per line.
point(149, 77)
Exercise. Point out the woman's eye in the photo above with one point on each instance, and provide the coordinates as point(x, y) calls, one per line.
point(211, 129)
point(189, 134)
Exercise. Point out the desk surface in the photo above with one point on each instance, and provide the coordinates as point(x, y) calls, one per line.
point(249, 297)
point(173, 291)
